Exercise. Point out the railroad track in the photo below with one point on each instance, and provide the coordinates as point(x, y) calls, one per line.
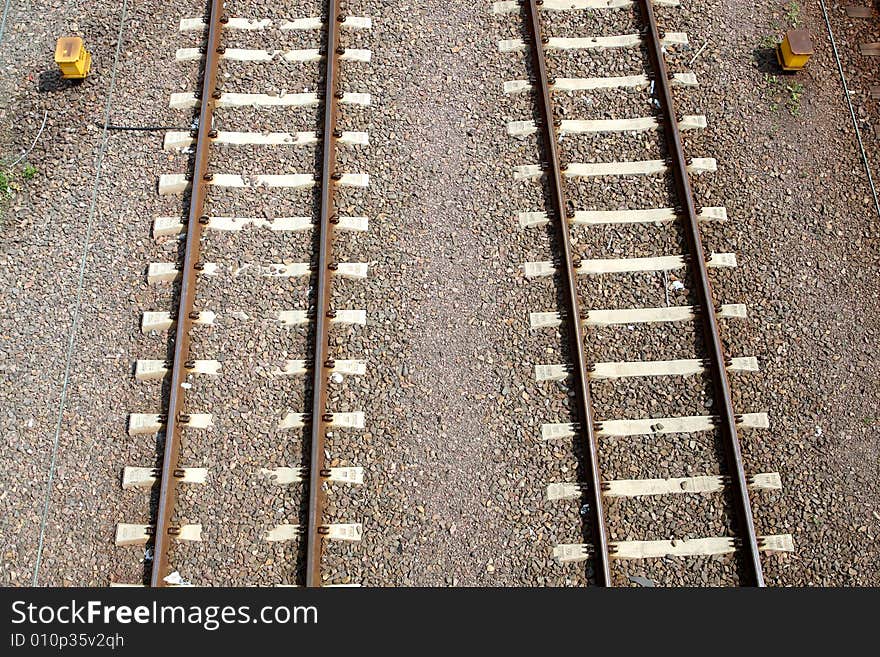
point(579, 256)
point(220, 209)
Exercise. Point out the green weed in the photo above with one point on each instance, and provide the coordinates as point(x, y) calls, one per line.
point(9, 185)
point(5, 192)
point(768, 41)
point(795, 91)
point(793, 13)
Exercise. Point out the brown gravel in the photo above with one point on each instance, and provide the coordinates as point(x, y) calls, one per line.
point(723, 66)
point(811, 334)
point(455, 477)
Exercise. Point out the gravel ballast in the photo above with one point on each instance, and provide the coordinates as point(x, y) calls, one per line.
point(454, 491)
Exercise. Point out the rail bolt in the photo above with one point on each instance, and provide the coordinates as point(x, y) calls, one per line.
point(339, 94)
point(213, 132)
point(221, 50)
point(194, 314)
point(336, 176)
point(329, 363)
point(340, 50)
point(331, 314)
point(337, 133)
point(208, 176)
point(327, 417)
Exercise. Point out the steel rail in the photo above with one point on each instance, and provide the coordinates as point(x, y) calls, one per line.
point(322, 362)
point(583, 402)
point(704, 297)
point(177, 418)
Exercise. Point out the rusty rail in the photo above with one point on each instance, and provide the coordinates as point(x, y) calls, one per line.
point(583, 403)
point(177, 418)
point(704, 297)
point(323, 312)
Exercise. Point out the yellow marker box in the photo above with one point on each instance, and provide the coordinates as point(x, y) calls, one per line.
point(72, 58)
point(795, 50)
